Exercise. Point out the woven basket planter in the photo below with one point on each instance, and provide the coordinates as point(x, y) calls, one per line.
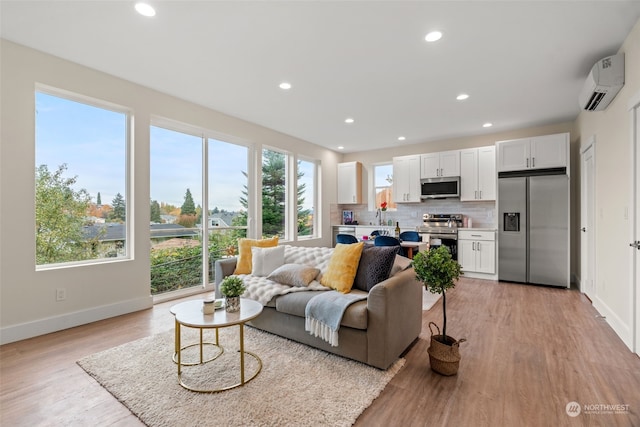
point(444, 357)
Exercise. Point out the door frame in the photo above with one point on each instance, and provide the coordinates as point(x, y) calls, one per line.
point(634, 223)
point(584, 243)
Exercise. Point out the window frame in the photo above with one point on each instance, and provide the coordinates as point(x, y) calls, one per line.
point(372, 185)
point(128, 164)
point(315, 196)
point(206, 134)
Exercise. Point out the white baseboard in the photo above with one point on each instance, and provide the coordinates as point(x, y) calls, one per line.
point(475, 275)
point(69, 320)
point(617, 324)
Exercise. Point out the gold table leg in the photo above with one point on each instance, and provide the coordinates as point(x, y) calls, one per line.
point(202, 343)
point(242, 354)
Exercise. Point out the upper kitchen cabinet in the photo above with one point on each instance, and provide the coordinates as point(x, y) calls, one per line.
point(540, 152)
point(349, 183)
point(478, 174)
point(436, 165)
point(406, 179)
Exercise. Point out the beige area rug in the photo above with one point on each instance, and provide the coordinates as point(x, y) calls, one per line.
point(298, 385)
point(429, 299)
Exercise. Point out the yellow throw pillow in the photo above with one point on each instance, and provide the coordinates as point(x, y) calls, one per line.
point(343, 267)
point(244, 265)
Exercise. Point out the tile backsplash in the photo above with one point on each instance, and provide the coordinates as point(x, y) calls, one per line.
point(482, 214)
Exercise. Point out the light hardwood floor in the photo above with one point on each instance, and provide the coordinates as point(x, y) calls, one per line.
point(530, 351)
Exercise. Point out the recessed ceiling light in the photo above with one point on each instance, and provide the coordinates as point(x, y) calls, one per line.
point(462, 97)
point(145, 9)
point(487, 125)
point(401, 138)
point(433, 36)
point(285, 85)
point(341, 148)
point(349, 120)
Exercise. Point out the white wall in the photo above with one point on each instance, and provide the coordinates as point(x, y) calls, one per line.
point(612, 131)
point(27, 297)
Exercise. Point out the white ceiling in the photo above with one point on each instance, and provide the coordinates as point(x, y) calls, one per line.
point(523, 63)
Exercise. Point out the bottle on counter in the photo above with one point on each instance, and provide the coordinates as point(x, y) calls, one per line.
point(397, 230)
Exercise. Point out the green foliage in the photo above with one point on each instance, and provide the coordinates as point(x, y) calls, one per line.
point(99, 199)
point(273, 193)
point(175, 268)
point(273, 198)
point(60, 213)
point(155, 212)
point(232, 286)
point(438, 271)
point(119, 212)
point(188, 207)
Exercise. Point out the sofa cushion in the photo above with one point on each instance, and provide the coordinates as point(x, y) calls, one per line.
point(294, 275)
point(244, 252)
point(400, 264)
point(295, 304)
point(342, 267)
point(375, 266)
point(265, 260)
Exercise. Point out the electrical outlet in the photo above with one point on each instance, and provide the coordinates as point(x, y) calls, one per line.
point(61, 294)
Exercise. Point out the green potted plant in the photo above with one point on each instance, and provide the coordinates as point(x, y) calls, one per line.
point(439, 271)
point(232, 287)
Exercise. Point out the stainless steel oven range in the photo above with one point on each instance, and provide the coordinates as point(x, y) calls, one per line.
point(441, 229)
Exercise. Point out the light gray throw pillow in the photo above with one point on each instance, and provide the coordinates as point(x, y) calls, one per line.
point(294, 275)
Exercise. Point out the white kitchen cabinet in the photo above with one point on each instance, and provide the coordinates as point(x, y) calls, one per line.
point(477, 251)
point(540, 152)
point(349, 183)
point(406, 179)
point(478, 174)
point(549, 151)
point(436, 165)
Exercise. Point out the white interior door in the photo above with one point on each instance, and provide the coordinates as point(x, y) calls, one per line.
point(587, 221)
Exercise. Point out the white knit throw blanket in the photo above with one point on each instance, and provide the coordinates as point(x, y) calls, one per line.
point(324, 312)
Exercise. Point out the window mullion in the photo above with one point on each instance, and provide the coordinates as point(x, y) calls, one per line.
point(204, 221)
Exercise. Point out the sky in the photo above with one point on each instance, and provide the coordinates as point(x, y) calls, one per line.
point(91, 141)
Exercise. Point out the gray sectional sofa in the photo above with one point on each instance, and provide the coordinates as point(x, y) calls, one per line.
point(375, 331)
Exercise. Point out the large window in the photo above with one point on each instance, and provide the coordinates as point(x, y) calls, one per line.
point(80, 179)
point(176, 210)
point(180, 227)
point(306, 203)
point(274, 193)
point(228, 197)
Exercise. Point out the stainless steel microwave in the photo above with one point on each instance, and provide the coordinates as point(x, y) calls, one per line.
point(440, 188)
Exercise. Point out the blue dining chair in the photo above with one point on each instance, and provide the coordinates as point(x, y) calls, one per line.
point(409, 236)
point(386, 241)
point(375, 233)
point(346, 239)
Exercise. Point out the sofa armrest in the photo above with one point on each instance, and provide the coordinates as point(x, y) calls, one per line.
point(224, 267)
point(395, 317)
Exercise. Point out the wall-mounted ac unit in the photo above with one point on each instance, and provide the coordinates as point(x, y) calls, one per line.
point(603, 83)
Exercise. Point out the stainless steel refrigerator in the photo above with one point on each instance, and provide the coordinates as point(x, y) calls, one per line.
point(533, 229)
